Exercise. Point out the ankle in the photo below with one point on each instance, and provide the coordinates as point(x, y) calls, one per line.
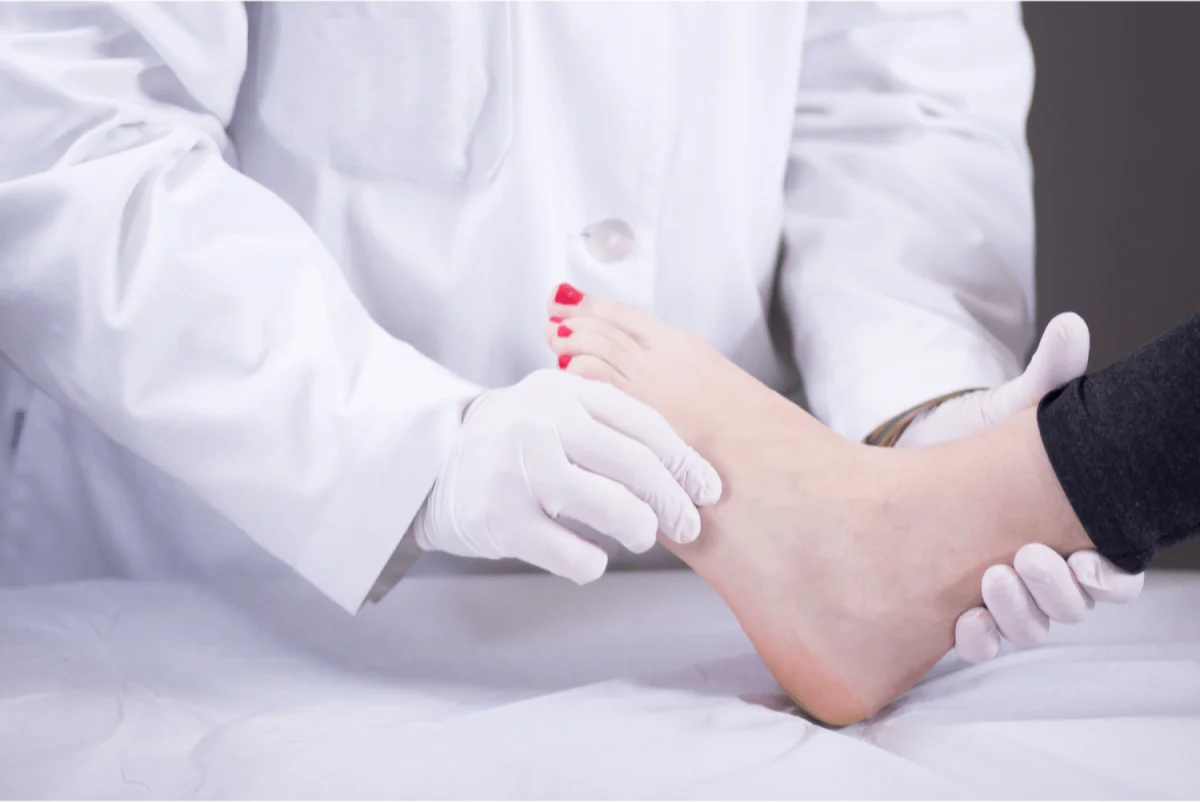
point(1062, 529)
point(1011, 466)
point(974, 502)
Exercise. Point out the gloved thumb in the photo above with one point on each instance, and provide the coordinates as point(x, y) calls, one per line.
point(1061, 356)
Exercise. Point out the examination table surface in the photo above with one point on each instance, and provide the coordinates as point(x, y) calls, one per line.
point(641, 685)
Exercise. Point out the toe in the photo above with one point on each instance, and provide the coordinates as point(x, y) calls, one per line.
point(569, 302)
point(564, 302)
point(641, 326)
point(566, 295)
point(585, 336)
point(590, 367)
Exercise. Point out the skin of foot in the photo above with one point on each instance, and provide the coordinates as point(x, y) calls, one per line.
point(846, 565)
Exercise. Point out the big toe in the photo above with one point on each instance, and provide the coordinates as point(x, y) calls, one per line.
point(568, 302)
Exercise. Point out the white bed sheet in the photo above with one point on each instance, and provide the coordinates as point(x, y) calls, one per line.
point(524, 686)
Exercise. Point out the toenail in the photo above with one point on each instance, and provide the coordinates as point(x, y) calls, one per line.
point(563, 331)
point(556, 319)
point(567, 295)
point(564, 360)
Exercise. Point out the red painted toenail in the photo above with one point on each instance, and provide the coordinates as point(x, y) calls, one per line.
point(564, 360)
point(567, 295)
point(563, 331)
point(556, 319)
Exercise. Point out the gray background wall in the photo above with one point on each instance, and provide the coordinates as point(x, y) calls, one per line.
point(1115, 135)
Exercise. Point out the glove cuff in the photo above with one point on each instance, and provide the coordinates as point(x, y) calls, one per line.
point(888, 433)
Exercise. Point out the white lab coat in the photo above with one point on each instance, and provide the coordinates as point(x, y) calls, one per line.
point(252, 269)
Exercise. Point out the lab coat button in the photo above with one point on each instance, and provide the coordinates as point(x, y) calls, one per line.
point(610, 241)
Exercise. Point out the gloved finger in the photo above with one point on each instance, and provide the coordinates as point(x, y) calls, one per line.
point(1061, 356)
point(1011, 605)
point(552, 547)
point(1052, 584)
point(1104, 581)
point(976, 638)
point(567, 491)
point(605, 506)
point(631, 417)
point(610, 454)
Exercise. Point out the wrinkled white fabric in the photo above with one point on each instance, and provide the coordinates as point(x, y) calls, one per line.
point(639, 686)
point(256, 259)
point(556, 450)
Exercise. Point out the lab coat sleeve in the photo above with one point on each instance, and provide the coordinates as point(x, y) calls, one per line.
point(188, 311)
point(908, 267)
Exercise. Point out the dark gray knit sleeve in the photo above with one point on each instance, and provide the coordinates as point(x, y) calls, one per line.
point(1125, 445)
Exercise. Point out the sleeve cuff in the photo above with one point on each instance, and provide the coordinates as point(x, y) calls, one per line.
point(855, 401)
point(398, 565)
point(888, 433)
point(354, 543)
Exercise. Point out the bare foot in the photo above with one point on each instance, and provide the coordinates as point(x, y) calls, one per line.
point(846, 565)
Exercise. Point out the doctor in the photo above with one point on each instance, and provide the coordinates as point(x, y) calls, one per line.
point(274, 275)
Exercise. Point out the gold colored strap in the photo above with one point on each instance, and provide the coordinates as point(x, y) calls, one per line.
point(889, 432)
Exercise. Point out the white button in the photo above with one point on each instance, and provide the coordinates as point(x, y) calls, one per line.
point(610, 241)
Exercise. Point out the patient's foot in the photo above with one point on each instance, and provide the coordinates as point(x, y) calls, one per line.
point(846, 565)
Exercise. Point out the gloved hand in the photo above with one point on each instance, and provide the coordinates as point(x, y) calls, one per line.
point(1021, 599)
point(554, 449)
point(1039, 586)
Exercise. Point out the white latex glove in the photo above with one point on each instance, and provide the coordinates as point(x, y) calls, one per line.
point(555, 449)
point(1038, 587)
point(1022, 599)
